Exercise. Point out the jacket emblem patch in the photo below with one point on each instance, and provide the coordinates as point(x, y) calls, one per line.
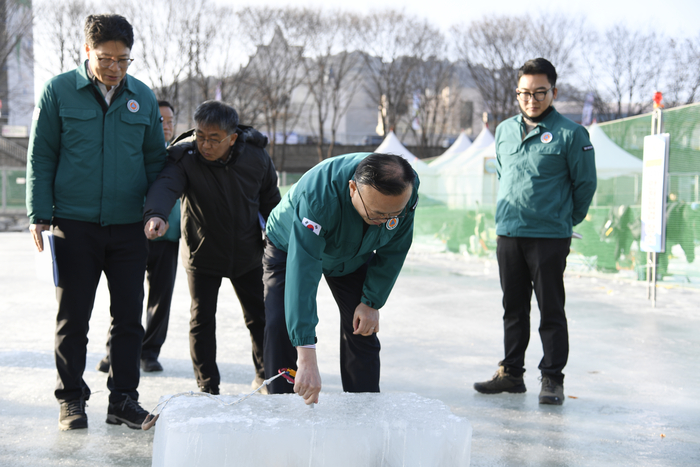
point(546, 138)
point(587, 148)
point(392, 223)
point(133, 106)
point(311, 225)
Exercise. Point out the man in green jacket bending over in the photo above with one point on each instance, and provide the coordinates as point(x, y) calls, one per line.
point(546, 168)
point(95, 147)
point(350, 219)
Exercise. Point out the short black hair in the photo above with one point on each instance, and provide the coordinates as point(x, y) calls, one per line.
point(166, 104)
point(106, 28)
point(217, 113)
point(387, 173)
point(539, 66)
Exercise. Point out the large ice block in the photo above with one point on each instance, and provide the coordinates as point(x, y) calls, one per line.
point(354, 430)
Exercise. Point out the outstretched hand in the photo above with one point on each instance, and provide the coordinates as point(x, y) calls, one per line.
point(155, 227)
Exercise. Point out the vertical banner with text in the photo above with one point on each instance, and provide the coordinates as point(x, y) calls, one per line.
point(654, 177)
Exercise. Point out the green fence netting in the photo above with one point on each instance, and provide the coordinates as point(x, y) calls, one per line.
point(611, 231)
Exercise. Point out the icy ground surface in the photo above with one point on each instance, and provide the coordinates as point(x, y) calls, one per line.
point(370, 430)
point(632, 368)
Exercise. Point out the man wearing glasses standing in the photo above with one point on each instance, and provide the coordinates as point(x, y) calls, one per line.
point(350, 219)
point(227, 182)
point(96, 145)
point(546, 168)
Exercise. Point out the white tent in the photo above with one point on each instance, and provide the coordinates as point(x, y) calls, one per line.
point(461, 144)
point(473, 183)
point(484, 139)
point(610, 159)
point(392, 145)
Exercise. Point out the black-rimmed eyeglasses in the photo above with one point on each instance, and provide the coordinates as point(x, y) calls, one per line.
point(538, 95)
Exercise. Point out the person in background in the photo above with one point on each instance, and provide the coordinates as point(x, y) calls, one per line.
point(546, 168)
point(161, 269)
point(96, 145)
point(349, 219)
point(227, 181)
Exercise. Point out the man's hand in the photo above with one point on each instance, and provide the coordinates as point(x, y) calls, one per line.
point(155, 227)
point(366, 320)
point(307, 382)
point(36, 230)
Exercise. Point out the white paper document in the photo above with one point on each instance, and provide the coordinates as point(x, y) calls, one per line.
point(46, 269)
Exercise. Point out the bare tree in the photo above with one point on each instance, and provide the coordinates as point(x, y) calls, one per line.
point(332, 74)
point(158, 26)
point(436, 93)
point(683, 82)
point(393, 45)
point(60, 33)
point(626, 70)
point(494, 48)
point(275, 69)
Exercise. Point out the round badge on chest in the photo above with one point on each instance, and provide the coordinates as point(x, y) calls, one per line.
point(392, 223)
point(546, 138)
point(133, 106)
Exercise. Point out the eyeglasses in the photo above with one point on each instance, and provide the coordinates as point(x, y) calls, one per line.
point(108, 62)
point(212, 142)
point(538, 95)
point(380, 218)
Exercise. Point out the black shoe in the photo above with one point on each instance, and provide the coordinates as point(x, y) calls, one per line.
point(501, 382)
point(72, 415)
point(150, 364)
point(103, 365)
point(213, 390)
point(128, 412)
point(552, 392)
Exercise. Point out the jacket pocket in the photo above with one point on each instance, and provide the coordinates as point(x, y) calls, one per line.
point(134, 124)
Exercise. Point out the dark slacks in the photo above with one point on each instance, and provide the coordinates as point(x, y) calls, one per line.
point(204, 290)
point(160, 273)
point(161, 269)
point(83, 251)
point(526, 264)
point(359, 355)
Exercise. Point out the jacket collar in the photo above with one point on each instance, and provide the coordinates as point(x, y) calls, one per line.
point(547, 123)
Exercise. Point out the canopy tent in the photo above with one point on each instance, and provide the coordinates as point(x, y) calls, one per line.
point(392, 145)
point(610, 159)
point(473, 183)
point(484, 139)
point(461, 144)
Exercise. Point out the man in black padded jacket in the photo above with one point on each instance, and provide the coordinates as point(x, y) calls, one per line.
point(228, 186)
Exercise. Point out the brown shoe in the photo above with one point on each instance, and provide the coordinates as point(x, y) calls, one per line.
point(501, 382)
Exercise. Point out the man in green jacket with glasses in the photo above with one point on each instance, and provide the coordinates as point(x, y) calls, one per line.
point(546, 168)
point(349, 219)
point(95, 147)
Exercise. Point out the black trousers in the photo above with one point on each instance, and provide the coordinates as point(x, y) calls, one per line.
point(161, 269)
point(359, 355)
point(204, 290)
point(83, 251)
point(534, 263)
